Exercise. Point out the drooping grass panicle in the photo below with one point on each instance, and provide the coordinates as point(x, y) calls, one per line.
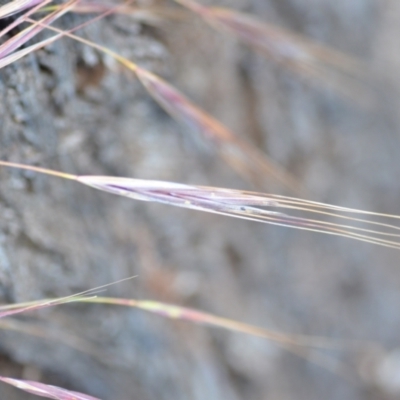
point(251, 206)
point(47, 391)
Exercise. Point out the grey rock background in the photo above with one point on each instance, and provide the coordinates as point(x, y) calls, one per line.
point(70, 108)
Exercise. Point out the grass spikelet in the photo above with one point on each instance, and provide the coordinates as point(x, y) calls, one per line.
point(251, 206)
point(47, 391)
point(239, 204)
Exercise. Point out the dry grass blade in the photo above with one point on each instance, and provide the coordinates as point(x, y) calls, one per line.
point(312, 60)
point(11, 58)
point(304, 346)
point(22, 308)
point(22, 18)
point(280, 44)
point(47, 391)
point(13, 309)
point(188, 314)
point(16, 6)
point(37, 26)
point(21, 38)
point(152, 15)
point(34, 305)
point(251, 206)
point(240, 155)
